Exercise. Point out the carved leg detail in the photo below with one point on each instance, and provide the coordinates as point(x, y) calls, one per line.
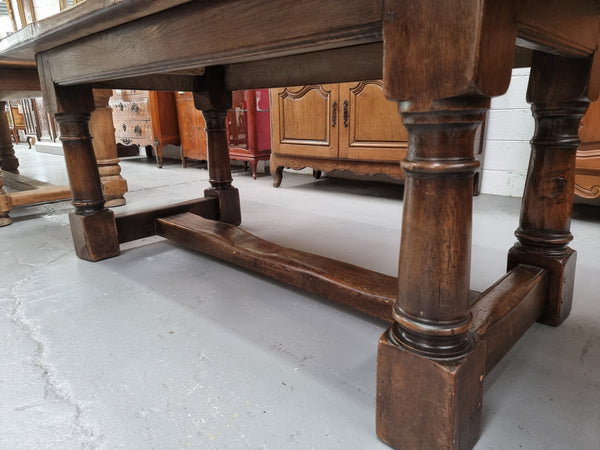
point(8, 160)
point(92, 225)
point(219, 167)
point(430, 368)
point(558, 93)
point(277, 174)
point(105, 149)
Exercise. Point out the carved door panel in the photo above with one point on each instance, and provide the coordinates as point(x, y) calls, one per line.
point(306, 120)
point(370, 125)
point(191, 128)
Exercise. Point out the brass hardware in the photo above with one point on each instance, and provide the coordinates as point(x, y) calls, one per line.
point(137, 130)
point(135, 108)
point(124, 127)
point(334, 114)
point(346, 113)
point(120, 106)
point(126, 141)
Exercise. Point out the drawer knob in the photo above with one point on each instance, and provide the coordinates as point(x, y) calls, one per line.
point(135, 108)
point(137, 130)
point(124, 127)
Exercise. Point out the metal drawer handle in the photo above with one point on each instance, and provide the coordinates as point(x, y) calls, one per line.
point(126, 141)
point(334, 114)
point(124, 127)
point(135, 108)
point(346, 113)
point(137, 130)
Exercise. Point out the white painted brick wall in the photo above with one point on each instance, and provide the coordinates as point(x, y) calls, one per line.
point(506, 150)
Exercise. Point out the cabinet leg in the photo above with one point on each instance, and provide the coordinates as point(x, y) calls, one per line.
point(277, 174)
point(93, 227)
point(429, 367)
point(8, 160)
point(558, 93)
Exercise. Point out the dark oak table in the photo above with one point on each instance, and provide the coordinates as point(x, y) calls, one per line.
point(18, 80)
point(442, 62)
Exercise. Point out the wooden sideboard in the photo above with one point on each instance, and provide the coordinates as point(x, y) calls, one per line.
point(349, 126)
point(146, 119)
point(587, 171)
point(344, 126)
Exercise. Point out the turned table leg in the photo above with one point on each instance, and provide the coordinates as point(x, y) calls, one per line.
point(105, 149)
point(93, 226)
point(558, 93)
point(430, 368)
point(214, 101)
point(8, 160)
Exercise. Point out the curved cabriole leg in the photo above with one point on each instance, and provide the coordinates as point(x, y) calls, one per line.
point(429, 365)
point(8, 160)
point(93, 226)
point(558, 93)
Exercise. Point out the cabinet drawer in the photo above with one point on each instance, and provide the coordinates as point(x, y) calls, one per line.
point(134, 129)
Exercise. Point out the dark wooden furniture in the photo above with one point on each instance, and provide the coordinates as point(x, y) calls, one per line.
point(442, 62)
point(19, 80)
point(16, 119)
point(146, 119)
point(587, 170)
point(248, 127)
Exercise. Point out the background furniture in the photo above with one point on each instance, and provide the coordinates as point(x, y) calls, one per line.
point(587, 172)
point(345, 126)
point(16, 119)
point(248, 126)
point(146, 119)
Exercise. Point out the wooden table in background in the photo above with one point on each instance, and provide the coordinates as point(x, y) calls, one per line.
point(442, 62)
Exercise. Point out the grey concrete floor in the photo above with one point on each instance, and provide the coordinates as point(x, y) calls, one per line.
point(163, 348)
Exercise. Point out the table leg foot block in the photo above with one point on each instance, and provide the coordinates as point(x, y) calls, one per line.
point(424, 403)
point(229, 204)
point(561, 281)
point(95, 235)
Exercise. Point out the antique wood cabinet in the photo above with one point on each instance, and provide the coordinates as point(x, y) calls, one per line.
point(192, 130)
point(336, 126)
point(587, 178)
point(146, 119)
point(347, 126)
point(248, 127)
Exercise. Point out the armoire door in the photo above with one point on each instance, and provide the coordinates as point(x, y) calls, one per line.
point(191, 128)
point(370, 125)
point(306, 120)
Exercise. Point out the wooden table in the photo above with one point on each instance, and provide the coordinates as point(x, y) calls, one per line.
point(442, 61)
point(20, 79)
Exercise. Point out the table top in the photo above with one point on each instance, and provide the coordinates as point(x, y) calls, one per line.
point(262, 43)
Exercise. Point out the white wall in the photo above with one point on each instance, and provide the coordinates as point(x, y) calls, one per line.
point(510, 127)
point(45, 8)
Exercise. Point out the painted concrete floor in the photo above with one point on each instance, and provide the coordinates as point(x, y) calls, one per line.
point(163, 348)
